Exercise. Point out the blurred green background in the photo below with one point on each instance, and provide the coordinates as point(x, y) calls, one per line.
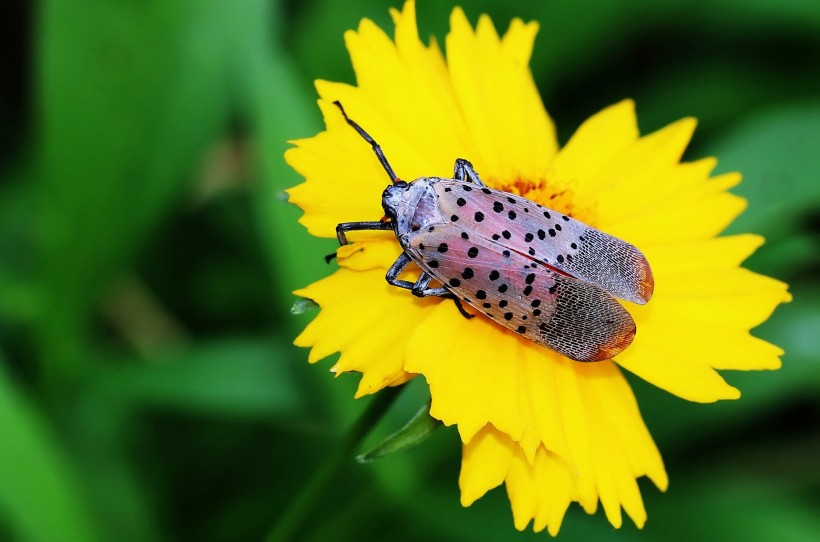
point(148, 387)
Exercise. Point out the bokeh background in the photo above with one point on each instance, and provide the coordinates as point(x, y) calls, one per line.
point(148, 386)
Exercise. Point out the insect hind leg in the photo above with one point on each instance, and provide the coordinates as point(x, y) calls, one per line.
point(420, 289)
point(463, 171)
point(459, 306)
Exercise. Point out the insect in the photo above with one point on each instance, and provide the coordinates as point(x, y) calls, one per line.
point(533, 270)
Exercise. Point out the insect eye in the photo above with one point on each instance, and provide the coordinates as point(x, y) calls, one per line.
point(400, 184)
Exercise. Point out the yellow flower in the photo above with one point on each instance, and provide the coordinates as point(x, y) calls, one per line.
point(552, 429)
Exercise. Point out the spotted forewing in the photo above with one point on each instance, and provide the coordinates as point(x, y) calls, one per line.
point(545, 235)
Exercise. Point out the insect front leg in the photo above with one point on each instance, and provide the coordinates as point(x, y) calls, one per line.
point(345, 227)
point(463, 171)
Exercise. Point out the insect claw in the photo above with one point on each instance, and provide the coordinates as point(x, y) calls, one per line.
point(329, 258)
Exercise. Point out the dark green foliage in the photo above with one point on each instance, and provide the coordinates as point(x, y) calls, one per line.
point(148, 387)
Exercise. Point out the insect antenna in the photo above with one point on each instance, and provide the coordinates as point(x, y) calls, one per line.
point(376, 148)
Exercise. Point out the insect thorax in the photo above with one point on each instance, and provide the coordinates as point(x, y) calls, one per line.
point(413, 206)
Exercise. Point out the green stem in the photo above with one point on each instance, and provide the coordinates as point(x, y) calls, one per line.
point(301, 506)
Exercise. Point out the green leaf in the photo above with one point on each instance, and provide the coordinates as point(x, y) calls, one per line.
point(420, 427)
point(777, 153)
point(279, 106)
point(731, 505)
point(130, 95)
point(19, 294)
point(788, 257)
point(239, 377)
point(41, 498)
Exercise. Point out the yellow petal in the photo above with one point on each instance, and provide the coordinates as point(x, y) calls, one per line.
point(605, 135)
point(511, 134)
point(698, 214)
point(683, 338)
point(358, 317)
point(370, 254)
point(583, 414)
point(344, 181)
point(473, 382)
point(702, 255)
point(637, 167)
point(673, 370)
point(526, 489)
point(540, 404)
point(541, 490)
point(619, 412)
point(404, 98)
point(484, 464)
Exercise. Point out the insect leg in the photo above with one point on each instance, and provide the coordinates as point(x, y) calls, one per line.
point(359, 226)
point(460, 307)
point(376, 147)
point(420, 286)
point(420, 289)
point(395, 269)
point(463, 171)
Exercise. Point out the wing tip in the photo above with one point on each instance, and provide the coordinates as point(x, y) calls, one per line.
point(646, 283)
point(646, 289)
point(615, 346)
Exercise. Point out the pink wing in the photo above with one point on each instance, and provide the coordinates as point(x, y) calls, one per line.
point(549, 237)
point(573, 317)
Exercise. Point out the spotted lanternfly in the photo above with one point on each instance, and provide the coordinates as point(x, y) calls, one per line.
point(533, 270)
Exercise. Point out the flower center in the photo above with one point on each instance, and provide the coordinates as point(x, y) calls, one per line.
point(550, 193)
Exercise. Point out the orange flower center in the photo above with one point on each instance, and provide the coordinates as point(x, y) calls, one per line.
point(551, 193)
